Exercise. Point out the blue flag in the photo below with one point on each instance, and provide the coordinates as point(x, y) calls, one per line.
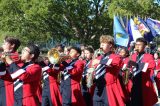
point(147, 33)
point(120, 35)
point(154, 26)
point(130, 32)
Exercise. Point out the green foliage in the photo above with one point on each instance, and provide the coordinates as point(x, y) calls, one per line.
point(143, 8)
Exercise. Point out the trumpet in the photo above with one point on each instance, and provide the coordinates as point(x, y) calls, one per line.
point(7, 54)
point(55, 57)
point(4, 54)
point(91, 70)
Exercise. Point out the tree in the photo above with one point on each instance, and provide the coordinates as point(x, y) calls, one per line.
point(143, 8)
point(39, 20)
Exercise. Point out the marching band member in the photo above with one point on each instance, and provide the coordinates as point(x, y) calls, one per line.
point(88, 52)
point(70, 83)
point(82, 56)
point(50, 94)
point(157, 71)
point(10, 46)
point(124, 76)
point(67, 50)
point(142, 69)
point(60, 48)
point(26, 79)
point(107, 92)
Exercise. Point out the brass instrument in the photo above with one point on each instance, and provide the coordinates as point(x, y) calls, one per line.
point(127, 69)
point(55, 57)
point(90, 71)
point(126, 75)
point(4, 54)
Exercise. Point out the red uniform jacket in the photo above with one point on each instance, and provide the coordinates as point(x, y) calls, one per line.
point(147, 85)
point(129, 84)
point(75, 78)
point(114, 92)
point(8, 83)
point(125, 87)
point(52, 82)
point(29, 78)
point(158, 74)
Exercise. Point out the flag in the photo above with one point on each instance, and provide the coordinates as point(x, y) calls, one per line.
point(154, 26)
point(120, 35)
point(125, 19)
point(130, 32)
point(147, 33)
point(122, 22)
point(143, 29)
point(135, 33)
point(155, 20)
